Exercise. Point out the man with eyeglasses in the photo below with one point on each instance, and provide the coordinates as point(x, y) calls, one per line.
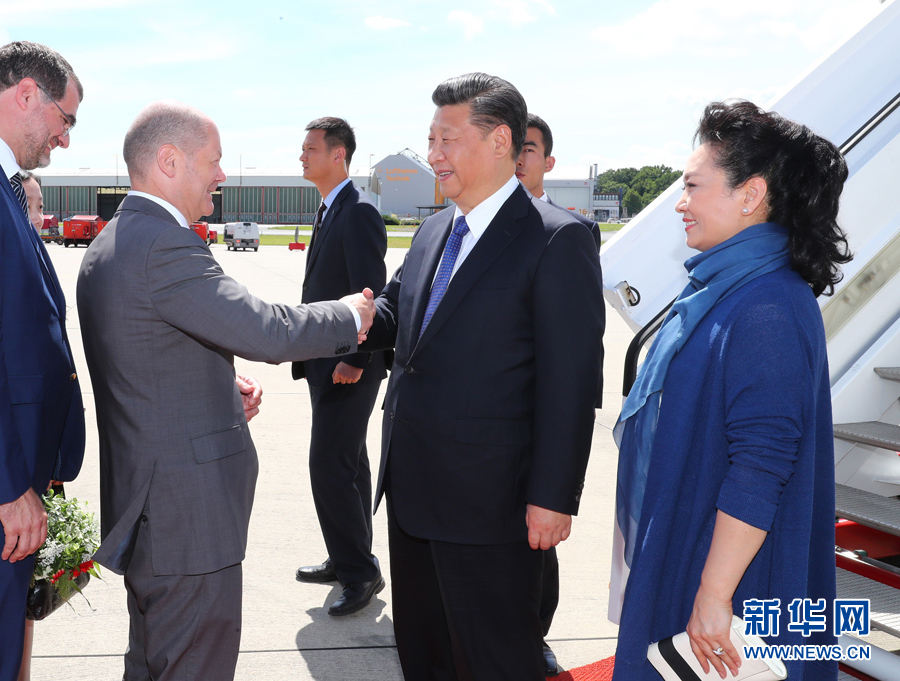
point(41, 413)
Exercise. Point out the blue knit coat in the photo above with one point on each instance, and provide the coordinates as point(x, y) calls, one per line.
point(745, 427)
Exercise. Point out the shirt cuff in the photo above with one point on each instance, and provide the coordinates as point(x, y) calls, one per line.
point(355, 315)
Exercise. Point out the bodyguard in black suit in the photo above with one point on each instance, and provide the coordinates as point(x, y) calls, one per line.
point(535, 160)
point(497, 315)
point(346, 255)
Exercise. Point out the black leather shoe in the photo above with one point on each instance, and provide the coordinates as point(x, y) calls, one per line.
point(319, 574)
point(551, 666)
point(356, 596)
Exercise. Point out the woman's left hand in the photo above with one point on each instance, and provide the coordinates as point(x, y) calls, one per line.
point(710, 629)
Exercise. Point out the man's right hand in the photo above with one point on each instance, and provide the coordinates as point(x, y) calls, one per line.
point(25, 525)
point(365, 306)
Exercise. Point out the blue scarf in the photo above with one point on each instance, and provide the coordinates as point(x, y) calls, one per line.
point(753, 252)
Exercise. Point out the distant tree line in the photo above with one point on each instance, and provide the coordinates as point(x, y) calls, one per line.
point(639, 187)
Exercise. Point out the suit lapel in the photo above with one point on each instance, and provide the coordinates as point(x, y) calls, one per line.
point(49, 272)
point(434, 249)
point(325, 227)
point(21, 223)
point(506, 226)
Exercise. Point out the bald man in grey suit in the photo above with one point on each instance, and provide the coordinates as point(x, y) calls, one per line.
point(161, 324)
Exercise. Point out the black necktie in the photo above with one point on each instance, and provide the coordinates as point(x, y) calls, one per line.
point(19, 191)
point(317, 223)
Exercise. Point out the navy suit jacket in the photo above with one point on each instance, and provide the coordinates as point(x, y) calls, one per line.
point(587, 222)
point(41, 413)
point(347, 256)
point(595, 232)
point(493, 407)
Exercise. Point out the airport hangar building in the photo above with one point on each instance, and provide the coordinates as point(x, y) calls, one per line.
point(264, 198)
point(409, 189)
point(400, 184)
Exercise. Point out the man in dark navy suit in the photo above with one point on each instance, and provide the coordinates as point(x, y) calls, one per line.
point(41, 413)
point(346, 254)
point(497, 316)
point(535, 160)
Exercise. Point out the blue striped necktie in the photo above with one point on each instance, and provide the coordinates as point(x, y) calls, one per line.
point(448, 260)
point(19, 191)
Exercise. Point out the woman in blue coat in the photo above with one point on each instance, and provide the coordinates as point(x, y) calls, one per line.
point(726, 469)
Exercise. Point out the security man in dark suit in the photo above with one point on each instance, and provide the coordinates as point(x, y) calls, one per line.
point(535, 160)
point(497, 315)
point(346, 254)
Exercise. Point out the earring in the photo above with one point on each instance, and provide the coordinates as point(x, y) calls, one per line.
point(745, 210)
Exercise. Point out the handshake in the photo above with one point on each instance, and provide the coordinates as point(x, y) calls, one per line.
point(364, 304)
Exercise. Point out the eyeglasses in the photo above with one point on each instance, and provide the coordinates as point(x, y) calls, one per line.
point(69, 122)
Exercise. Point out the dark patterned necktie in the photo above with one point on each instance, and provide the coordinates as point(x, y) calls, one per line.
point(19, 191)
point(448, 260)
point(317, 223)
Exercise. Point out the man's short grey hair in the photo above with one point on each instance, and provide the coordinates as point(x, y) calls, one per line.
point(163, 123)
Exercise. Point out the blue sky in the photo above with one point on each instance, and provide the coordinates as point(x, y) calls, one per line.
point(620, 83)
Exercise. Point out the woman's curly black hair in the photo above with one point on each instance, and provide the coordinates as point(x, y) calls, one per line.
point(804, 173)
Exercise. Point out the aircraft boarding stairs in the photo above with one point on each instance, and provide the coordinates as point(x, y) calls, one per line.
point(852, 96)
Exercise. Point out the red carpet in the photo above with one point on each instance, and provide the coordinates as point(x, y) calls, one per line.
point(598, 671)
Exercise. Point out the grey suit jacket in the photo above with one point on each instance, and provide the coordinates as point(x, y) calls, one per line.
point(161, 324)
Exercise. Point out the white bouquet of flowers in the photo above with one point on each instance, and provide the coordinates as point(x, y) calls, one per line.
point(63, 565)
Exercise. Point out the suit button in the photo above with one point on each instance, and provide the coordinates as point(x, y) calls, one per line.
point(409, 369)
point(73, 377)
point(305, 287)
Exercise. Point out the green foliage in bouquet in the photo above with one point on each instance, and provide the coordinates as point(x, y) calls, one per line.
point(73, 535)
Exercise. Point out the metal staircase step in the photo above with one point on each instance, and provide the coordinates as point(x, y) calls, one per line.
point(866, 508)
point(844, 676)
point(875, 433)
point(890, 373)
point(884, 601)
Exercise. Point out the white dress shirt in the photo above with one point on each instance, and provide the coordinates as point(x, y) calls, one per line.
point(8, 160)
point(332, 195)
point(480, 217)
point(173, 211)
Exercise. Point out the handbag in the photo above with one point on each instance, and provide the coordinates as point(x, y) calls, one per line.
point(43, 598)
point(675, 661)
